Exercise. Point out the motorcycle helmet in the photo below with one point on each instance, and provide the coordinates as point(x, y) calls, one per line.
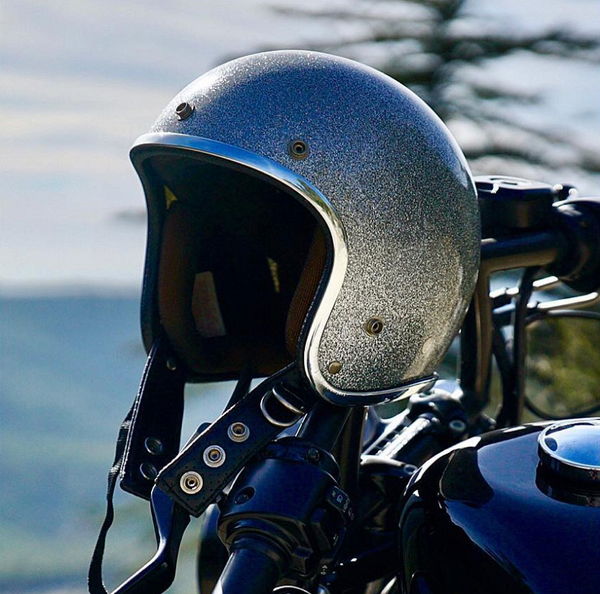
point(306, 208)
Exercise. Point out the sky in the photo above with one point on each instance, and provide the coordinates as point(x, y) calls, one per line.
point(81, 79)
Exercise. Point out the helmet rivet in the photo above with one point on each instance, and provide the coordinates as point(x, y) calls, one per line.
point(191, 482)
point(334, 367)
point(184, 111)
point(238, 432)
point(298, 149)
point(373, 326)
point(214, 456)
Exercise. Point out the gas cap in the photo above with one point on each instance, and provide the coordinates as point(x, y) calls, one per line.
point(571, 450)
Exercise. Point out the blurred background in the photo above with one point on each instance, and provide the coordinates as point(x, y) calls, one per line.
point(517, 82)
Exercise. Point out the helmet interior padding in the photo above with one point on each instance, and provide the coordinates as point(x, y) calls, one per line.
point(240, 262)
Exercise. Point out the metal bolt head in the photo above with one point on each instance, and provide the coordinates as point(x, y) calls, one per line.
point(298, 149)
point(184, 111)
point(191, 482)
point(153, 446)
point(171, 364)
point(148, 471)
point(313, 455)
point(238, 432)
point(214, 456)
point(334, 367)
point(373, 326)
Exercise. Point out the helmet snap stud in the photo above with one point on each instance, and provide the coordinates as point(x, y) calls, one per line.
point(214, 456)
point(148, 471)
point(191, 482)
point(238, 432)
point(184, 111)
point(334, 367)
point(298, 149)
point(153, 446)
point(373, 326)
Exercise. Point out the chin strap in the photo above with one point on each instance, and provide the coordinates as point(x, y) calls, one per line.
point(191, 480)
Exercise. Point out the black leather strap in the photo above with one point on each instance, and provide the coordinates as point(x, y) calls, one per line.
point(155, 433)
point(279, 400)
point(156, 414)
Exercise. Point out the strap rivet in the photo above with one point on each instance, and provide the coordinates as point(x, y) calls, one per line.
point(238, 432)
point(214, 456)
point(191, 482)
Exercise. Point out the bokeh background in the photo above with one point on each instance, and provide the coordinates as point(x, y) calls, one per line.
point(517, 82)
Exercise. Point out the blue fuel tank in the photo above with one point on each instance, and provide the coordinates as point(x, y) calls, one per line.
point(511, 511)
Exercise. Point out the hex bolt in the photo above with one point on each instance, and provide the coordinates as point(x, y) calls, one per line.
point(238, 432)
point(184, 111)
point(214, 456)
point(153, 446)
point(191, 482)
point(148, 471)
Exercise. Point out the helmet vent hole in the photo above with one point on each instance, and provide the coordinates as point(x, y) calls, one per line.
point(298, 149)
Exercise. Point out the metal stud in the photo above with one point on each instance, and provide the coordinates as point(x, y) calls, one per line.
point(153, 446)
point(298, 149)
point(334, 367)
point(373, 326)
point(184, 111)
point(191, 482)
point(148, 471)
point(238, 432)
point(214, 456)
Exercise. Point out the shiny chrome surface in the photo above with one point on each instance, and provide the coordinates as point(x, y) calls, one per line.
point(571, 449)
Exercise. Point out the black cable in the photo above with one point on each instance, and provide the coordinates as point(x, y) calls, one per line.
point(514, 395)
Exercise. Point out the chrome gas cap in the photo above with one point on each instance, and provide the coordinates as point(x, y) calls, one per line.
point(571, 450)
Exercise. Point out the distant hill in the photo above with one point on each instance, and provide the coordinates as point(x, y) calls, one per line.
point(69, 369)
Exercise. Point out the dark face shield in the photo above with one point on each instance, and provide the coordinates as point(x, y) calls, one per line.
point(239, 263)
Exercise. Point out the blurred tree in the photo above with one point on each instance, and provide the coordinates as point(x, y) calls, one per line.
point(439, 49)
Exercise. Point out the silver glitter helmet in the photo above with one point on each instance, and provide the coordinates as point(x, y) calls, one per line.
point(304, 207)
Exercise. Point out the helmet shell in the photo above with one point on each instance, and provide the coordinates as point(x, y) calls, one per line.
point(389, 185)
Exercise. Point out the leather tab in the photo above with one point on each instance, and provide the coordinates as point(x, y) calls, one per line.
point(155, 432)
point(195, 458)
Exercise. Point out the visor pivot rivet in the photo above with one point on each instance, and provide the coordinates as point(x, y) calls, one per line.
point(298, 149)
point(214, 456)
point(191, 482)
point(184, 111)
point(334, 367)
point(373, 326)
point(238, 432)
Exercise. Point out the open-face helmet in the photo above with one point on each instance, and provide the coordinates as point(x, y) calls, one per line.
point(306, 208)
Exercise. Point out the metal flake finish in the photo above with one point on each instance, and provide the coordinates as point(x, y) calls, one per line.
point(399, 186)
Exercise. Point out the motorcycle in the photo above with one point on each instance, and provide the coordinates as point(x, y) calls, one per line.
point(299, 495)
